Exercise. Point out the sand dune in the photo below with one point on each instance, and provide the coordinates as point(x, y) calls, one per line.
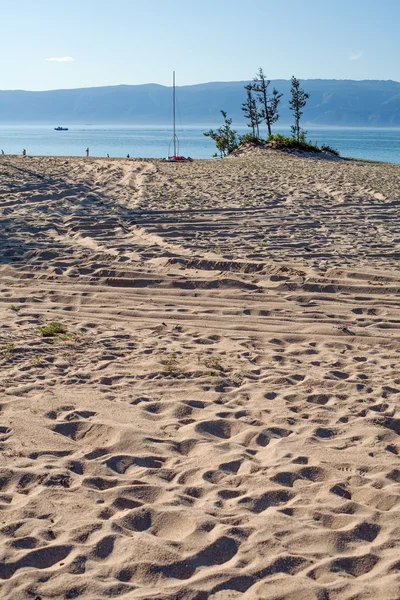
point(218, 415)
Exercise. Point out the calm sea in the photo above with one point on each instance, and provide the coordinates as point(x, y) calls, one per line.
point(381, 144)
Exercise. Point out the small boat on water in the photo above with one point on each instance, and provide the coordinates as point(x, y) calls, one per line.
point(60, 128)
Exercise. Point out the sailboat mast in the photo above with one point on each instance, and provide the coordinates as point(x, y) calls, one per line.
point(174, 137)
point(173, 110)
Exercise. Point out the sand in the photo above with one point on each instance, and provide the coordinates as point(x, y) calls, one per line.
point(218, 416)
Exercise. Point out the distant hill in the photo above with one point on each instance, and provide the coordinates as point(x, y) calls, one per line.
point(332, 102)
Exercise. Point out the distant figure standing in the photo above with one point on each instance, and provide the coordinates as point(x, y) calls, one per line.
point(87, 151)
point(24, 152)
point(2, 152)
point(127, 156)
point(108, 156)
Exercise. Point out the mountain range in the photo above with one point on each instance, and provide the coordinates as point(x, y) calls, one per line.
point(332, 103)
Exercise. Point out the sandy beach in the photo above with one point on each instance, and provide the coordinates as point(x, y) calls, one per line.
point(215, 413)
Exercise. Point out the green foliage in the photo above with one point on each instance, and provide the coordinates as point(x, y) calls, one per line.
point(53, 329)
point(298, 101)
point(279, 141)
point(249, 138)
point(273, 106)
point(264, 106)
point(269, 105)
point(226, 139)
point(7, 350)
point(15, 308)
point(251, 112)
point(327, 148)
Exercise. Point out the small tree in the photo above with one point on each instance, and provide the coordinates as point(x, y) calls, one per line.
point(251, 112)
point(273, 106)
point(225, 138)
point(269, 111)
point(298, 101)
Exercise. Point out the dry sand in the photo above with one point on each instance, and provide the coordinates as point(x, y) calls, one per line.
point(220, 418)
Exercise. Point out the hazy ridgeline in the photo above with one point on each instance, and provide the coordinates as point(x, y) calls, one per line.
point(332, 102)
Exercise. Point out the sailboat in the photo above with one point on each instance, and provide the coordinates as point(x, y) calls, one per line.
point(174, 143)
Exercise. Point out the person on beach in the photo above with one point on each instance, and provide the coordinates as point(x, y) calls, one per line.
point(24, 152)
point(127, 156)
point(108, 156)
point(87, 151)
point(2, 152)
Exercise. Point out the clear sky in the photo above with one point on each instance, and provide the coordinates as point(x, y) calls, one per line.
point(52, 44)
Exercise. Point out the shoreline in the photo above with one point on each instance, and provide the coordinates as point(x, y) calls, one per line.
point(212, 159)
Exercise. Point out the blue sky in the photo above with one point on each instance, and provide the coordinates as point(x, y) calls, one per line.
point(52, 44)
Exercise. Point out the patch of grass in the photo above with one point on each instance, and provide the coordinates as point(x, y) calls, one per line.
point(327, 148)
point(8, 349)
point(16, 308)
point(279, 142)
point(171, 363)
point(37, 359)
point(52, 330)
point(213, 362)
point(71, 338)
point(249, 138)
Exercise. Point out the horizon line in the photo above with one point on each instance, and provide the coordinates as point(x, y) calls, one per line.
point(189, 85)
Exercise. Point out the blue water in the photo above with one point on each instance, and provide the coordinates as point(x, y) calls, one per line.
point(381, 144)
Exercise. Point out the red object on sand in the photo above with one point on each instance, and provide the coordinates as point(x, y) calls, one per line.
point(180, 158)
